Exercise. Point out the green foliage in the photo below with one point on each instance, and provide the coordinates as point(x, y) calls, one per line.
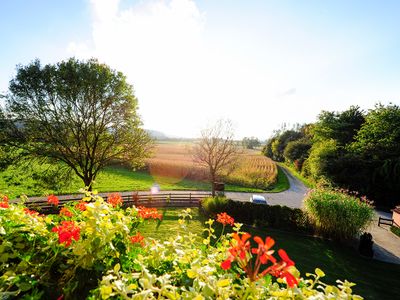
point(395, 230)
point(297, 151)
point(337, 214)
point(265, 216)
point(319, 162)
point(81, 113)
point(214, 205)
point(251, 142)
point(339, 126)
point(379, 136)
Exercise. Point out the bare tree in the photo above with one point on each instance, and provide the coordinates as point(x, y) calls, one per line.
point(216, 149)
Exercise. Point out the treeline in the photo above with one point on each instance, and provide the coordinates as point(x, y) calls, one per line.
point(352, 149)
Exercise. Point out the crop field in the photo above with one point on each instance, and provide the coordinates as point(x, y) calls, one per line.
point(174, 162)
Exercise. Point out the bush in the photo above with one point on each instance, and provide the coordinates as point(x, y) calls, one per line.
point(214, 205)
point(275, 216)
point(337, 214)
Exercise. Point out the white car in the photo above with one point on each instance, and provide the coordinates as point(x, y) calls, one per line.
point(258, 199)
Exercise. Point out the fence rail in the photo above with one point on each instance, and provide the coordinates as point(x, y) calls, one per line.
point(385, 221)
point(137, 199)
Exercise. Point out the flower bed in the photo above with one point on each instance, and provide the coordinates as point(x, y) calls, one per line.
point(94, 249)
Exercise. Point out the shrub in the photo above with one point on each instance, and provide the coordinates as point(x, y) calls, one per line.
point(337, 214)
point(275, 216)
point(214, 205)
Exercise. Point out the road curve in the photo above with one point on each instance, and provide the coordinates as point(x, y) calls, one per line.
point(293, 197)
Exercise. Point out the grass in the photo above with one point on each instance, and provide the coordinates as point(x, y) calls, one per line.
point(374, 279)
point(395, 230)
point(111, 179)
point(296, 174)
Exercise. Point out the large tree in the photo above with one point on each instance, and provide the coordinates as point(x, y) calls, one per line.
point(81, 113)
point(216, 149)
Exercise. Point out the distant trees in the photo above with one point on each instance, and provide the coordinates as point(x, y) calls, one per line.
point(216, 149)
point(351, 149)
point(251, 142)
point(81, 113)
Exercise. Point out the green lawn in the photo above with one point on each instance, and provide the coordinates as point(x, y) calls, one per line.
point(15, 182)
point(374, 279)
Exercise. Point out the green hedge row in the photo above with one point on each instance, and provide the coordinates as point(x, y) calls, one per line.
point(259, 215)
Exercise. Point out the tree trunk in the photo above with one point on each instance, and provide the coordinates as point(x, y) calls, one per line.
point(88, 182)
point(213, 185)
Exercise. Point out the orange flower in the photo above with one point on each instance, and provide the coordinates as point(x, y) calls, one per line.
point(238, 251)
point(114, 199)
point(263, 250)
point(30, 212)
point(137, 239)
point(67, 231)
point(149, 213)
point(281, 269)
point(81, 205)
point(224, 219)
point(53, 200)
point(4, 204)
point(66, 212)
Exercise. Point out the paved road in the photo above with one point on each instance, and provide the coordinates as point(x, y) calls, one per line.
point(293, 197)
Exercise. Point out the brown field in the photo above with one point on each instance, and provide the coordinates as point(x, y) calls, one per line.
point(173, 162)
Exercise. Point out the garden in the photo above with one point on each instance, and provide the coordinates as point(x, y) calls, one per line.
point(97, 249)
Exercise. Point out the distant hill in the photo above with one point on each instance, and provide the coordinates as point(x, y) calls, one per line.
point(157, 135)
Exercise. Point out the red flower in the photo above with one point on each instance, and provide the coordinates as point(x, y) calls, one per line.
point(137, 239)
point(224, 219)
point(30, 212)
point(81, 205)
point(114, 199)
point(4, 197)
point(281, 269)
point(67, 231)
point(263, 250)
point(53, 200)
point(149, 213)
point(226, 264)
point(4, 204)
point(238, 250)
point(66, 212)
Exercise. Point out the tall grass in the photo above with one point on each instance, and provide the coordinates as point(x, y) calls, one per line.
point(337, 214)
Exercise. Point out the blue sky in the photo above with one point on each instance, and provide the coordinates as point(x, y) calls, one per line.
point(258, 63)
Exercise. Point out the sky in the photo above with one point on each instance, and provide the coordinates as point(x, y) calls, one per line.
point(258, 63)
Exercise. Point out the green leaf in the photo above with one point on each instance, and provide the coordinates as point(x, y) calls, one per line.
point(319, 272)
point(117, 267)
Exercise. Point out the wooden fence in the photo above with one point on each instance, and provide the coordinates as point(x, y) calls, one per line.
point(385, 221)
point(137, 199)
